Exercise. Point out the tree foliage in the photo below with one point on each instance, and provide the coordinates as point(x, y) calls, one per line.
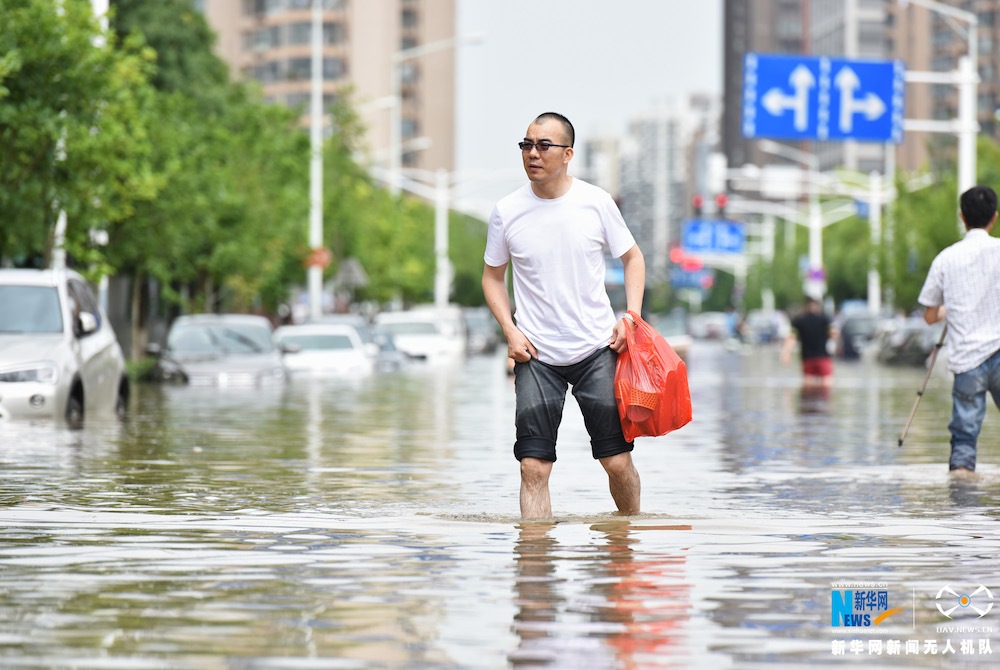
point(201, 185)
point(73, 127)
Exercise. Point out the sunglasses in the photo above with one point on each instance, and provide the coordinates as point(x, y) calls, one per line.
point(541, 146)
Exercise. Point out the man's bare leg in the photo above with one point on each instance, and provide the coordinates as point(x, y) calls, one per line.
point(535, 502)
point(623, 479)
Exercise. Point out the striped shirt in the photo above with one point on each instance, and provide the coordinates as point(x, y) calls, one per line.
point(965, 279)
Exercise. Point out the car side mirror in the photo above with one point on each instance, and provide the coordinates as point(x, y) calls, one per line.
point(86, 323)
point(154, 349)
point(289, 348)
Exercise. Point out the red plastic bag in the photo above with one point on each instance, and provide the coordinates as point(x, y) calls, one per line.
point(651, 384)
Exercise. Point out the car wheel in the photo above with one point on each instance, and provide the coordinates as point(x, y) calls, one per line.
point(74, 412)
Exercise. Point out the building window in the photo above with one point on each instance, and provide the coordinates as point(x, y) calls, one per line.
point(268, 73)
point(262, 7)
point(333, 33)
point(299, 32)
point(263, 39)
point(409, 73)
point(333, 68)
point(299, 69)
point(410, 128)
point(410, 18)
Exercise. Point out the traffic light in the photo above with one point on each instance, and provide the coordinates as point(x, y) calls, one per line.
point(676, 255)
point(721, 200)
point(696, 202)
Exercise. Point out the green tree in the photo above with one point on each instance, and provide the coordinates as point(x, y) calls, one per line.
point(225, 231)
point(73, 132)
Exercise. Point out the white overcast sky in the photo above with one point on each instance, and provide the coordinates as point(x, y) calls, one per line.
point(599, 62)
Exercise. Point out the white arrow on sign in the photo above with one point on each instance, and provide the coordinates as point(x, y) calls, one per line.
point(776, 102)
point(870, 105)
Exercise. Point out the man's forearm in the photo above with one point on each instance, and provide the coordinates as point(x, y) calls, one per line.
point(635, 281)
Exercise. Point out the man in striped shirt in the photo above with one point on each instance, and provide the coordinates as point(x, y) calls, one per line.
point(963, 287)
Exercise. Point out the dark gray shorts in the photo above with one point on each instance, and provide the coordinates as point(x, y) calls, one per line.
point(541, 394)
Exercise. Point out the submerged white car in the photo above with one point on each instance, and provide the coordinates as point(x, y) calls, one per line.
point(325, 350)
point(59, 357)
point(429, 334)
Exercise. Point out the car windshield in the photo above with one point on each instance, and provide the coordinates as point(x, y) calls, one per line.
point(411, 328)
point(319, 342)
point(198, 338)
point(30, 309)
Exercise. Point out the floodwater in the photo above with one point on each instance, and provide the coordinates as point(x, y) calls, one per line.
point(375, 524)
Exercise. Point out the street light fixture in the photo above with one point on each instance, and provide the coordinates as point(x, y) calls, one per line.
point(396, 98)
point(815, 285)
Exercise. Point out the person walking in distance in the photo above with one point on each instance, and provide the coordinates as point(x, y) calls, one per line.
point(553, 232)
point(962, 288)
point(813, 329)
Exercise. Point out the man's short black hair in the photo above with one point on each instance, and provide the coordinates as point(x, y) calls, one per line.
point(978, 204)
point(567, 126)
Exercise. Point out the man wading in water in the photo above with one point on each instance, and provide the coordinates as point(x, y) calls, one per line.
point(553, 231)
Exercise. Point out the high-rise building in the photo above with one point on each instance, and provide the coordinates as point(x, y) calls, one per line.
point(931, 41)
point(363, 40)
point(760, 26)
point(657, 167)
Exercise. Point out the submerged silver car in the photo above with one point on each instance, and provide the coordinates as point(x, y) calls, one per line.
point(59, 356)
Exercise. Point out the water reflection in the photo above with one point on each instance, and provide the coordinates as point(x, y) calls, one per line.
point(604, 603)
point(375, 523)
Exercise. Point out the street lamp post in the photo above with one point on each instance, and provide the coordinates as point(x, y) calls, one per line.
point(315, 271)
point(396, 98)
point(815, 284)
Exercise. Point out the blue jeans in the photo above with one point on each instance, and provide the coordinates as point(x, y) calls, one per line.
point(968, 395)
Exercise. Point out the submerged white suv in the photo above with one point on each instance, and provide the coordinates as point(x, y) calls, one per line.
point(59, 356)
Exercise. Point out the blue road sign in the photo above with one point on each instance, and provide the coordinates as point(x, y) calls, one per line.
point(696, 279)
point(712, 236)
point(819, 98)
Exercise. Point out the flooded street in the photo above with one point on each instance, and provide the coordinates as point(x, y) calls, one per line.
point(375, 525)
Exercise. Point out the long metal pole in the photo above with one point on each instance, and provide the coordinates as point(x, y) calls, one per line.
point(315, 272)
point(875, 224)
point(920, 393)
point(968, 125)
point(442, 266)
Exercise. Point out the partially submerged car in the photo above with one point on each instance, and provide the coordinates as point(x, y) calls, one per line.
point(59, 356)
point(325, 350)
point(231, 350)
point(430, 334)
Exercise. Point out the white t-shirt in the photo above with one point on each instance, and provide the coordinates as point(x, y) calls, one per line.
point(556, 249)
point(965, 278)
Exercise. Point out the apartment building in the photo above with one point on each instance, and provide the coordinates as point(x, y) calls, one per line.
point(760, 26)
point(269, 41)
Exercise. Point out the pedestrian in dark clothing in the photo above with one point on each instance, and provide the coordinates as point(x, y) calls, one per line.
point(813, 330)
